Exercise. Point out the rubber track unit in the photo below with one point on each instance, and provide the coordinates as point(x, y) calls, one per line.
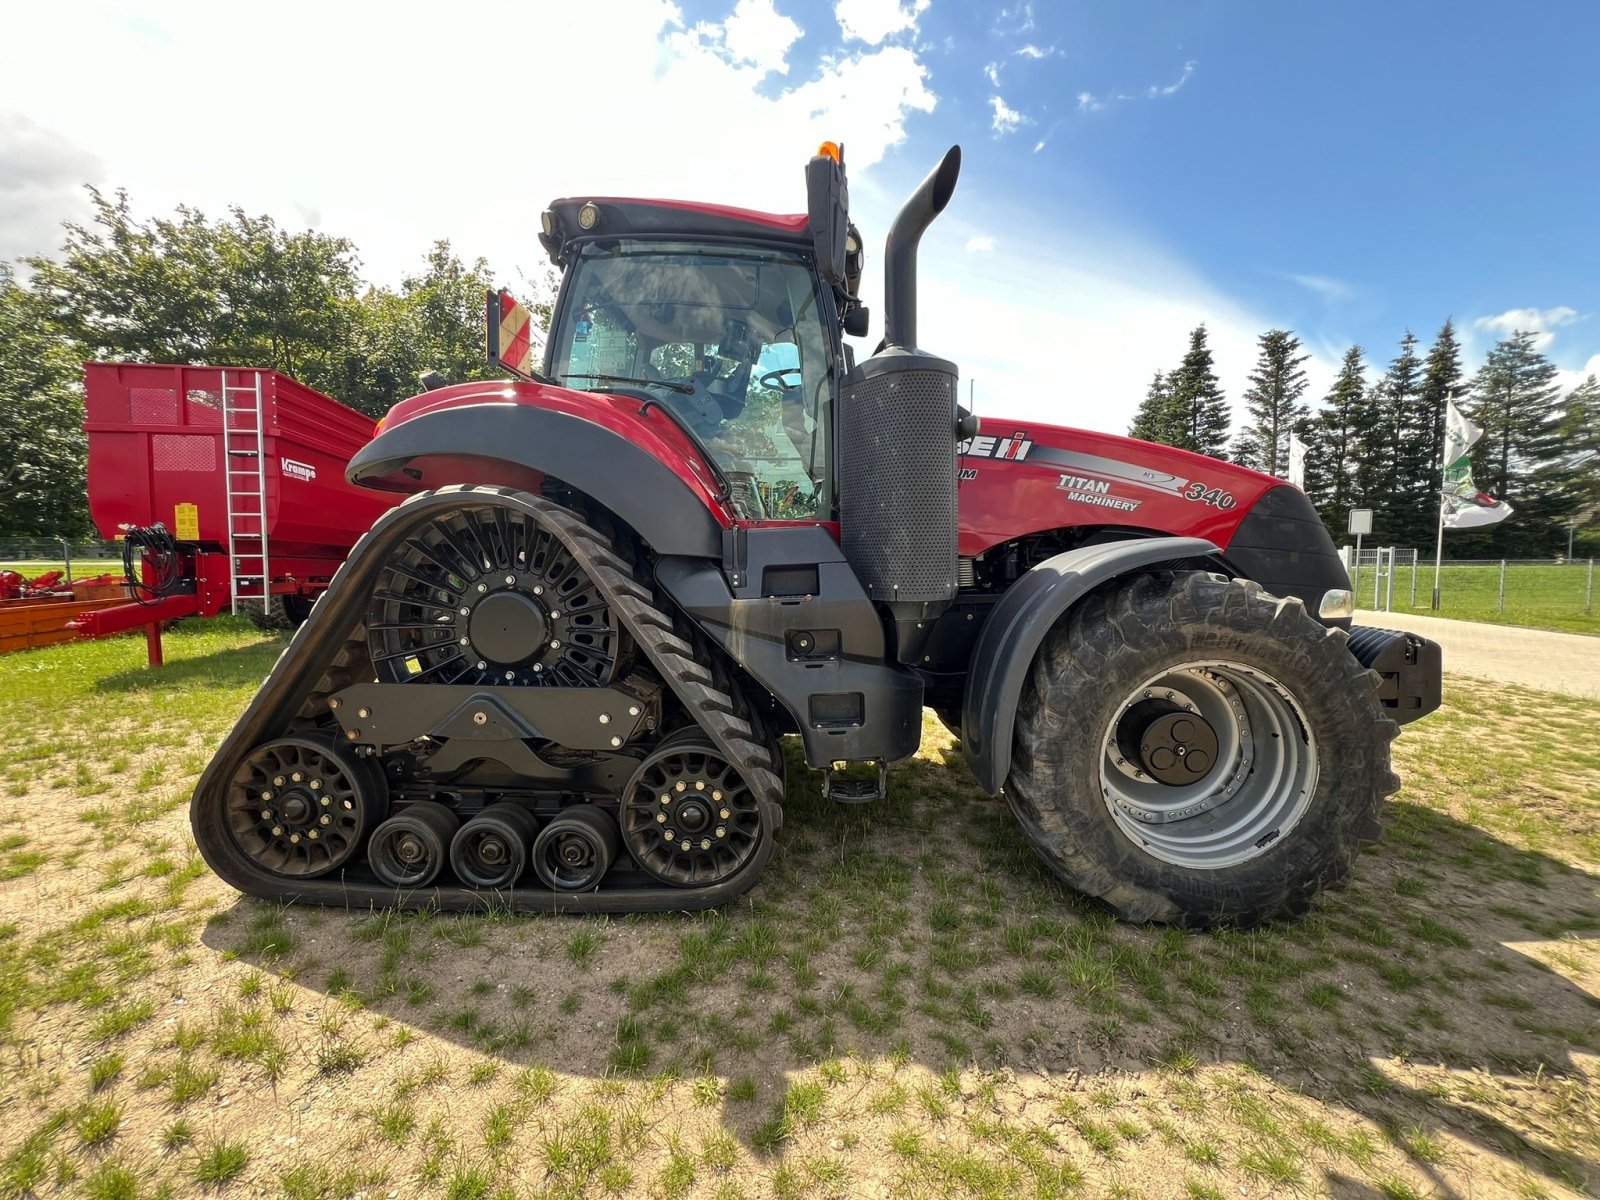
point(329, 653)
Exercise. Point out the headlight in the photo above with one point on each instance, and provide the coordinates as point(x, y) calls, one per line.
point(1337, 602)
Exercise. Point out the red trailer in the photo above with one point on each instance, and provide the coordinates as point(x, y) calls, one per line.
point(243, 470)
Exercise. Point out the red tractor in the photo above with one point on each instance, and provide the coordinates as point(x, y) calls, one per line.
point(557, 674)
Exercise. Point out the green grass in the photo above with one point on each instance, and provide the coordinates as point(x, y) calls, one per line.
point(909, 994)
point(1538, 596)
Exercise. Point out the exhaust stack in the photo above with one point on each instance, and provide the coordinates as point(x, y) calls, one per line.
point(897, 446)
point(900, 251)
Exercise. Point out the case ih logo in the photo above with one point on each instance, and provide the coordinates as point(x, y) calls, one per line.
point(1015, 447)
point(298, 470)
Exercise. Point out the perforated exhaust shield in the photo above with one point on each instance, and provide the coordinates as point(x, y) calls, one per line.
point(897, 476)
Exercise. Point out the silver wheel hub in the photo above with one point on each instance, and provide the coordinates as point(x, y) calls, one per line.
point(1208, 764)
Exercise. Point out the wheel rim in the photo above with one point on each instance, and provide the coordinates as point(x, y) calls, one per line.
point(570, 855)
point(487, 595)
point(687, 817)
point(1208, 764)
point(298, 808)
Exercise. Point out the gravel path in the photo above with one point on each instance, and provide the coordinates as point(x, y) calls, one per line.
point(1552, 662)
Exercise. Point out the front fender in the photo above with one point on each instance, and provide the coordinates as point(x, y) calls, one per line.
point(511, 444)
point(1017, 627)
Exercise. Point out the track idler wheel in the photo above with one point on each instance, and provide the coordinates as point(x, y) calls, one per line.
point(300, 807)
point(687, 817)
point(574, 851)
point(410, 849)
point(491, 850)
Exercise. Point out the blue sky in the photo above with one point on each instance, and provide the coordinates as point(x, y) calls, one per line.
point(1347, 170)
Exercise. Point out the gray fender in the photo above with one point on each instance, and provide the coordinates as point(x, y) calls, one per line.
point(1016, 628)
point(504, 443)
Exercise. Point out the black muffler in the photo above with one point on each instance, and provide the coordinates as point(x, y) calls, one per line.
point(897, 444)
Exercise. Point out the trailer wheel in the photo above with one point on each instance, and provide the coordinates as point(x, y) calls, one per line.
point(277, 615)
point(1193, 751)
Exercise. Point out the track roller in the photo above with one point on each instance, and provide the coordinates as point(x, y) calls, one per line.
point(410, 849)
point(491, 850)
point(574, 851)
point(300, 807)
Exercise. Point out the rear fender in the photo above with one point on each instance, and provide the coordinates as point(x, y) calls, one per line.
point(1017, 627)
point(513, 445)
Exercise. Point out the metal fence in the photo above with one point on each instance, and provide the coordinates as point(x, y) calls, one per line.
point(77, 556)
point(1560, 591)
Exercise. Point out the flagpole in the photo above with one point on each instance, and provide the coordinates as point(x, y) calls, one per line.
point(1438, 550)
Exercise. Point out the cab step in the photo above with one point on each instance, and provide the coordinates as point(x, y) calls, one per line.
point(856, 782)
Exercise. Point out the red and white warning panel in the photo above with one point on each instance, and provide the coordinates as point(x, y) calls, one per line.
point(510, 327)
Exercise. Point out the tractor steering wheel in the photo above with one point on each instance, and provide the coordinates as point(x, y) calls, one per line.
point(767, 380)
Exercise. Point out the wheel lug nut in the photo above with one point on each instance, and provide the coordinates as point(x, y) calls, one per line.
point(266, 814)
point(266, 795)
point(668, 834)
point(537, 590)
point(666, 799)
point(312, 835)
point(716, 795)
point(555, 643)
point(510, 579)
point(326, 819)
point(724, 814)
point(277, 831)
point(465, 611)
point(483, 587)
point(722, 831)
point(684, 845)
point(316, 784)
point(278, 781)
point(297, 777)
point(326, 802)
point(554, 615)
point(705, 843)
point(682, 786)
point(699, 785)
point(294, 838)
point(462, 641)
point(482, 664)
point(661, 818)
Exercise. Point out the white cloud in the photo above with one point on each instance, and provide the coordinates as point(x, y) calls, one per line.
point(1006, 119)
point(871, 21)
point(1333, 291)
point(366, 166)
point(1039, 145)
point(980, 244)
point(1031, 51)
point(1018, 19)
point(758, 33)
point(991, 72)
point(41, 178)
point(1156, 91)
point(1091, 103)
point(1542, 322)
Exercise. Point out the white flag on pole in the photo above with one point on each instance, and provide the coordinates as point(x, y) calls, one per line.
point(1297, 462)
point(1460, 435)
point(1462, 505)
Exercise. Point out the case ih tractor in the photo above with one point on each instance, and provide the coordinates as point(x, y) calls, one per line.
point(557, 674)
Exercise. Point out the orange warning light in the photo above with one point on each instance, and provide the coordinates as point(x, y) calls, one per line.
point(829, 150)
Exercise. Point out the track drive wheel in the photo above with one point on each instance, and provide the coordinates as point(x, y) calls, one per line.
point(1192, 750)
point(687, 817)
point(300, 807)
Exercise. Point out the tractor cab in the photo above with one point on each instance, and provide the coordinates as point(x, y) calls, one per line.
point(727, 319)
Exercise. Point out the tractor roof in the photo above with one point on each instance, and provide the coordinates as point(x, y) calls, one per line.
point(622, 217)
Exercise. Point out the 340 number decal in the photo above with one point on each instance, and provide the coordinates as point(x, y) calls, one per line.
point(1215, 497)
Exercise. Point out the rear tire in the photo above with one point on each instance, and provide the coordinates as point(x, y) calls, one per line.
point(1293, 754)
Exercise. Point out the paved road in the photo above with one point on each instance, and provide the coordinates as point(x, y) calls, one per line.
point(1552, 662)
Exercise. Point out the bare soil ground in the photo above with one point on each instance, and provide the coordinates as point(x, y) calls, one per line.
point(907, 1005)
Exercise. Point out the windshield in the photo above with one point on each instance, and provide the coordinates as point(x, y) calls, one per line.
point(729, 339)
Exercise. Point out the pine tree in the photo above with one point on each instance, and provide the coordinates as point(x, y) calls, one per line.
point(1519, 458)
point(1331, 443)
point(1197, 398)
point(1580, 430)
point(1441, 375)
point(1371, 446)
point(1157, 420)
point(1407, 512)
point(1274, 403)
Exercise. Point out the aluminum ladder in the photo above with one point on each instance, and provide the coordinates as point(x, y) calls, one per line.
point(244, 440)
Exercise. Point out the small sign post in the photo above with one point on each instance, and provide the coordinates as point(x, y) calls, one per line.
point(1360, 524)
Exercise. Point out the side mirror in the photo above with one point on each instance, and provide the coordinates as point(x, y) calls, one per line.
point(828, 213)
point(857, 321)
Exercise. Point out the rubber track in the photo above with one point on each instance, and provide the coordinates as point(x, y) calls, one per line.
point(294, 697)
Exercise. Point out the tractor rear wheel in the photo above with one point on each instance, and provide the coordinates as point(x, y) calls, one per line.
point(1194, 751)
